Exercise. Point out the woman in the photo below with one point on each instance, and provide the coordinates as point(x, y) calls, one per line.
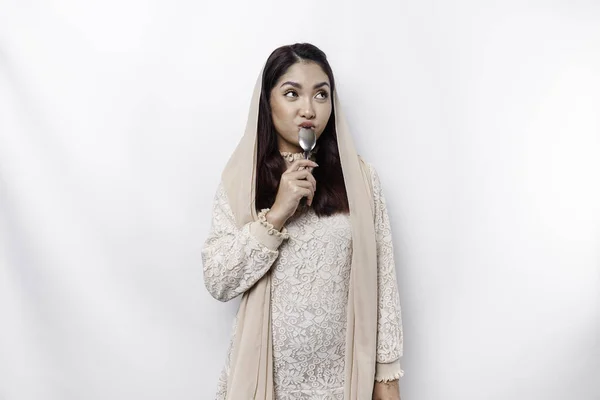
point(320, 313)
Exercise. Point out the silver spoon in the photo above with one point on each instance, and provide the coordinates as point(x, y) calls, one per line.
point(307, 140)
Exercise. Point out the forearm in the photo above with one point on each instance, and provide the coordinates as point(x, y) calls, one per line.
point(386, 390)
point(389, 320)
point(233, 263)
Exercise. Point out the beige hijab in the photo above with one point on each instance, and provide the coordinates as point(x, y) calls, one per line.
point(251, 365)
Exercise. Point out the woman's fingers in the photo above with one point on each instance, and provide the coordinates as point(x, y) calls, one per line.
point(304, 175)
point(299, 179)
point(301, 163)
point(304, 184)
point(305, 189)
point(295, 175)
point(312, 179)
point(306, 193)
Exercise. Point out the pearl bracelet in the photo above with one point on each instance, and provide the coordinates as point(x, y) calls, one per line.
point(262, 218)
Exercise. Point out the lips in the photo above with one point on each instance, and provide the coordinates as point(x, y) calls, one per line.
point(308, 125)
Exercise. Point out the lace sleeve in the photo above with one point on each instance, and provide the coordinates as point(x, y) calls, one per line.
point(389, 325)
point(235, 259)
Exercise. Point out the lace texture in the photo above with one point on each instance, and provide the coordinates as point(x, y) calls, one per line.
point(233, 259)
point(262, 217)
point(291, 157)
point(310, 276)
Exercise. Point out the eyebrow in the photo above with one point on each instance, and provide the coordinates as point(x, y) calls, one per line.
point(299, 86)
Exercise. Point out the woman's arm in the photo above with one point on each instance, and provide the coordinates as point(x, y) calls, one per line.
point(386, 390)
point(389, 325)
point(235, 259)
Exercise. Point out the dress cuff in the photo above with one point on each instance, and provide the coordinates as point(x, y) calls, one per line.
point(266, 234)
point(385, 372)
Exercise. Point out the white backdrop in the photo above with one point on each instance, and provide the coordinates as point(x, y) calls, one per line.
point(117, 117)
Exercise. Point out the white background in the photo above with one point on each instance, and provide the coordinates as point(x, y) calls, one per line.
point(117, 117)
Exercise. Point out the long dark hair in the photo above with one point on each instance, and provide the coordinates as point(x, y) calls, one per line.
point(330, 197)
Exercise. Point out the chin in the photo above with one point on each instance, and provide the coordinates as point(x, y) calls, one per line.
point(293, 139)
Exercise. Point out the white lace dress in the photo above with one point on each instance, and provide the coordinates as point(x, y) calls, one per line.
point(310, 266)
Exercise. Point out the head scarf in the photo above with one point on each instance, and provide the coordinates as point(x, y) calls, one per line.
point(251, 363)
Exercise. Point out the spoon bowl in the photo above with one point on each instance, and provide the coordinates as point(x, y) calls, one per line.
point(307, 140)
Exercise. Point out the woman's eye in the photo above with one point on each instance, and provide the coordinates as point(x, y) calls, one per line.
point(322, 94)
point(290, 93)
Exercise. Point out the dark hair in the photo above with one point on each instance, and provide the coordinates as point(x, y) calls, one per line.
point(330, 197)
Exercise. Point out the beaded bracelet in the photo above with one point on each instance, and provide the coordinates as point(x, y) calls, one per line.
point(262, 218)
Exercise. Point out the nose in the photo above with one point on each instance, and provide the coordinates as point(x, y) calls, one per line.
point(307, 111)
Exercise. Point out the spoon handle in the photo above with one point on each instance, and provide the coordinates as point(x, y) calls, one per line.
point(303, 200)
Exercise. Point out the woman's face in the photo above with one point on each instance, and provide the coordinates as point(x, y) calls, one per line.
point(301, 97)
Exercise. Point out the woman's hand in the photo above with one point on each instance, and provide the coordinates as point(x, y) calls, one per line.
point(386, 390)
point(295, 184)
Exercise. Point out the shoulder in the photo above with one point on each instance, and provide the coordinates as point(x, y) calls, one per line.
point(220, 192)
point(364, 164)
point(220, 198)
point(369, 168)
